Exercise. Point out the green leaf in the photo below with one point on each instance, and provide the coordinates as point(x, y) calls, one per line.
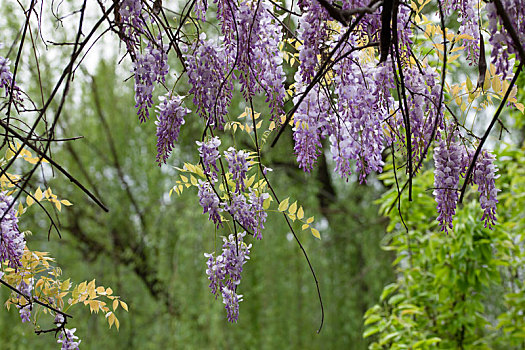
point(371, 331)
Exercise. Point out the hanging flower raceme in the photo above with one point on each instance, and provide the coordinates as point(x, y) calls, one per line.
point(502, 44)
point(468, 18)
point(68, 339)
point(259, 57)
point(132, 23)
point(312, 33)
point(6, 80)
point(209, 202)
point(170, 118)
point(484, 175)
point(224, 272)
point(149, 68)
point(257, 209)
point(311, 122)
point(209, 153)
point(238, 165)
point(358, 134)
point(422, 99)
point(449, 163)
point(25, 306)
point(12, 241)
point(208, 68)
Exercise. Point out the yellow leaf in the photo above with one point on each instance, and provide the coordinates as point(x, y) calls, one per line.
point(292, 217)
point(300, 213)
point(66, 202)
point(310, 220)
point(115, 304)
point(486, 83)
point(109, 291)
point(469, 84)
point(30, 201)
point(315, 233)
point(266, 203)
point(117, 323)
point(284, 205)
point(111, 318)
point(293, 208)
point(520, 107)
point(101, 290)
point(124, 305)
point(193, 180)
point(58, 205)
point(496, 84)
point(38, 194)
point(305, 226)
point(20, 209)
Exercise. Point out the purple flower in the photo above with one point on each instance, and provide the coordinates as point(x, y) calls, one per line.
point(25, 306)
point(311, 120)
point(224, 272)
point(68, 339)
point(238, 165)
point(12, 241)
point(6, 80)
point(502, 44)
point(209, 152)
point(256, 207)
point(132, 23)
point(241, 211)
point(484, 175)
point(216, 272)
point(150, 67)
point(231, 301)
point(208, 66)
point(448, 166)
point(170, 118)
point(209, 202)
point(363, 99)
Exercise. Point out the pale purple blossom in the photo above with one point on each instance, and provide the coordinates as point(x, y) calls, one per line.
point(12, 242)
point(209, 202)
point(209, 153)
point(224, 272)
point(68, 339)
point(238, 165)
point(484, 175)
point(6, 80)
point(449, 163)
point(170, 118)
point(149, 68)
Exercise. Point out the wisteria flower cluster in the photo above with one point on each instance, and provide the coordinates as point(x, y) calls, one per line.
point(132, 22)
point(451, 162)
point(68, 339)
point(502, 43)
point(170, 118)
point(209, 153)
point(224, 272)
point(12, 241)
point(211, 85)
point(149, 68)
point(6, 79)
point(238, 165)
